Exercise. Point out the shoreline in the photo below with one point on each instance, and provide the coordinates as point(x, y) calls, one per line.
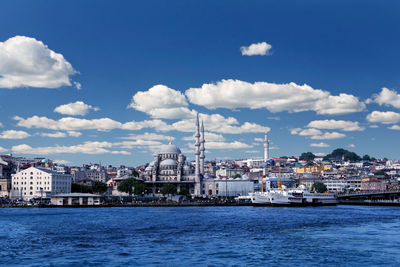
point(199, 205)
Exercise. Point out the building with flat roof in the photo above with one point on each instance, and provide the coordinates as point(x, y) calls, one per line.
point(39, 182)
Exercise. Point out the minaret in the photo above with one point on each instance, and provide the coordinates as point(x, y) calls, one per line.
point(202, 149)
point(197, 153)
point(266, 147)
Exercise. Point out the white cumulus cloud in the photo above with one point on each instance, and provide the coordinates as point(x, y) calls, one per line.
point(328, 135)
point(227, 145)
point(76, 108)
point(394, 127)
point(27, 62)
point(387, 97)
point(258, 49)
point(161, 101)
point(2, 149)
point(384, 117)
point(85, 148)
point(319, 145)
point(13, 134)
point(336, 124)
point(233, 94)
point(54, 135)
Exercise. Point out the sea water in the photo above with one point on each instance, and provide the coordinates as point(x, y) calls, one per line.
point(200, 236)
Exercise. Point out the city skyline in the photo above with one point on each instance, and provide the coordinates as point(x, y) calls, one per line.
point(134, 76)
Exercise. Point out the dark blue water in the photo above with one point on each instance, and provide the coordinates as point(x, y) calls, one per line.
point(342, 235)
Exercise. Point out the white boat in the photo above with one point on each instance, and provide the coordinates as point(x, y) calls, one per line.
point(260, 198)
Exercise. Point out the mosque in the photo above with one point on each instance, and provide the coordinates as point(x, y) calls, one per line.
point(171, 166)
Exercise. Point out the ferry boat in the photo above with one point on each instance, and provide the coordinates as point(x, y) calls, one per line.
point(287, 195)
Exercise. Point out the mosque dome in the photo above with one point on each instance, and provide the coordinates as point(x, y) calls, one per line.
point(149, 168)
point(168, 162)
point(170, 149)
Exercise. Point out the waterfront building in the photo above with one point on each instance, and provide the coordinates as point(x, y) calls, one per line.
point(171, 166)
point(228, 187)
point(228, 173)
point(74, 199)
point(373, 184)
point(5, 187)
point(39, 182)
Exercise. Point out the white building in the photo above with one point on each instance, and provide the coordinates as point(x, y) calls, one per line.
point(39, 182)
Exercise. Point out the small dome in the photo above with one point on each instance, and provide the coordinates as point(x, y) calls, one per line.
point(186, 168)
point(149, 168)
point(168, 162)
point(151, 164)
point(170, 149)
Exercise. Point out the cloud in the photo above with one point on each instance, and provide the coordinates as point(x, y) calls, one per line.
point(215, 123)
point(351, 145)
point(336, 124)
point(161, 101)
point(308, 132)
point(61, 134)
point(85, 148)
point(227, 145)
point(320, 154)
point(76, 108)
point(386, 97)
point(74, 133)
point(61, 161)
point(384, 117)
point(257, 139)
point(258, 49)
point(148, 136)
point(2, 149)
point(319, 145)
point(252, 151)
point(208, 137)
point(373, 126)
point(78, 85)
point(54, 135)
point(328, 135)
point(13, 134)
point(233, 94)
point(27, 62)
point(68, 123)
point(394, 127)
point(1, 125)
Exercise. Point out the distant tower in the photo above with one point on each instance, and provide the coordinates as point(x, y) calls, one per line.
point(266, 147)
point(197, 153)
point(202, 149)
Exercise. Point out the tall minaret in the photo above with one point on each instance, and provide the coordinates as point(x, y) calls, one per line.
point(266, 147)
point(197, 153)
point(202, 149)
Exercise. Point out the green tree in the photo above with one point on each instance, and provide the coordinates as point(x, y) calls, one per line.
point(99, 187)
point(139, 187)
point(319, 187)
point(308, 156)
point(237, 175)
point(168, 189)
point(366, 157)
point(81, 188)
point(340, 153)
point(185, 192)
point(126, 186)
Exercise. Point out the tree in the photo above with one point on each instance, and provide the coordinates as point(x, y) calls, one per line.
point(139, 187)
point(126, 186)
point(320, 187)
point(81, 188)
point(340, 153)
point(185, 192)
point(237, 175)
point(99, 187)
point(308, 156)
point(366, 158)
point(168, 189)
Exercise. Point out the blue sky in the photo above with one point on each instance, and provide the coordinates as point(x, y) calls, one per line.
point(126, 77)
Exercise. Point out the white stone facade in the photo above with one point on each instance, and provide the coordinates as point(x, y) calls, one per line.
point(39, 182)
